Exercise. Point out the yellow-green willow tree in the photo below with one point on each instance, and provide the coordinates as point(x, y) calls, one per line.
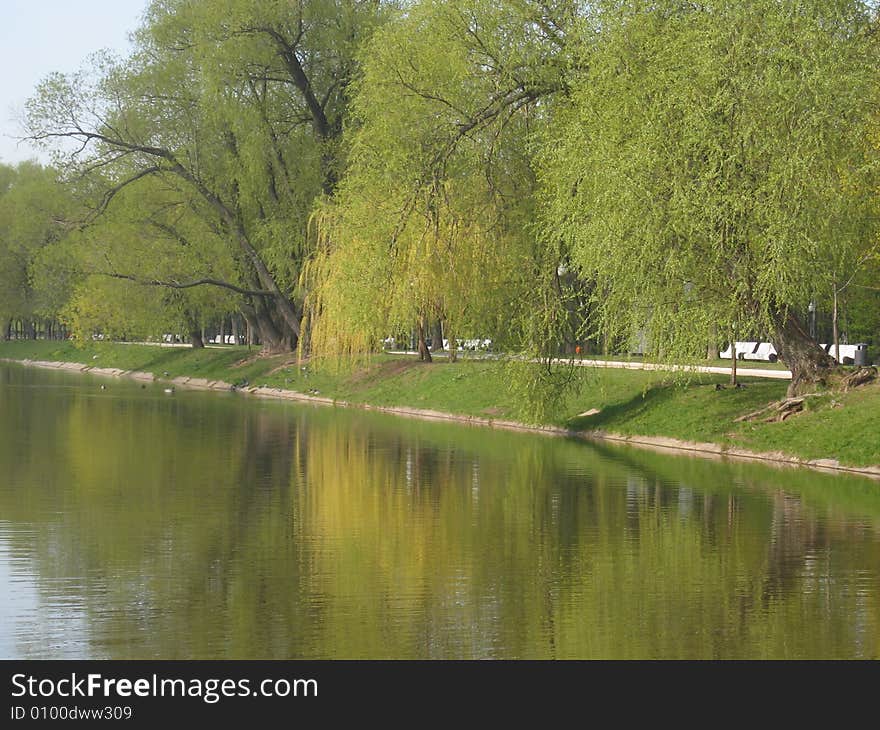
point(432, 220)
point(714, 160)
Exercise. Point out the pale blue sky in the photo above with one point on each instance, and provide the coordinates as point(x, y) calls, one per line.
point(38, 37)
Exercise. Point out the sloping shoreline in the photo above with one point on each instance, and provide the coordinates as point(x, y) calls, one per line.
point(659, 443)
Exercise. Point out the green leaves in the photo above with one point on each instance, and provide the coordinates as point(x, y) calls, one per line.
point(432, 217)
point(33, 209)
point(714, 161)
point(221, 130)
point(691, 168)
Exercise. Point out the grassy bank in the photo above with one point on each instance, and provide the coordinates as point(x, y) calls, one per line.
point(842, 427)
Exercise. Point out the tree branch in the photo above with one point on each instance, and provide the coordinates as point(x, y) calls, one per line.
point(187, 284)
point(297, 73)
point(112, 192)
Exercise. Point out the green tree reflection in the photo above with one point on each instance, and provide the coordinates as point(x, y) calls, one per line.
point(203, 525)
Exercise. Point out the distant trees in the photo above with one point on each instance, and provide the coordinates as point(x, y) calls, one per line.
point(32, 210)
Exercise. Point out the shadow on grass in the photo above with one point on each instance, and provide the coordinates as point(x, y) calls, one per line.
point(672, 408)
point(625, 410)
point(190, 360)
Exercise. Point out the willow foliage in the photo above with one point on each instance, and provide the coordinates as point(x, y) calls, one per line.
point(432, 220)
point(713, 162)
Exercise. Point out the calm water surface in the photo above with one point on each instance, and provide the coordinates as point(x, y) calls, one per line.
point(135, 524)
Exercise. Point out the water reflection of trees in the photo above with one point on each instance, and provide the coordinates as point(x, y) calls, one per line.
point(820, 538)
point(204, 526)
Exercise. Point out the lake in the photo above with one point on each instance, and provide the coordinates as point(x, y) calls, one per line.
point(140, 524)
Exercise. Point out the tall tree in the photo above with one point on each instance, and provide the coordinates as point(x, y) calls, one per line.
point(432, 218)
point(236, 106)
point(714, 160)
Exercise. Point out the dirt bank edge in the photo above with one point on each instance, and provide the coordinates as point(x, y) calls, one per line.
point(662, 443)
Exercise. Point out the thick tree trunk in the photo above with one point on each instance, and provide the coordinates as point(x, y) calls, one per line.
point(234, 324)
point(251, 326)
point(437, 336)
point(424, 353)
point(273, 333)
point(287, 311)
point(809, 364)
point(194, 329)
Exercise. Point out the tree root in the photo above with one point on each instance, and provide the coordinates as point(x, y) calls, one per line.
point(787, 407)
point(778, 410)
point(859, 376)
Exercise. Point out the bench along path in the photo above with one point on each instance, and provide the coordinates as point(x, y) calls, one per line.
point(636, 365)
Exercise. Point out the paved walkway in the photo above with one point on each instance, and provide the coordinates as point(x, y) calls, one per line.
point(586, 363)
point(635, 365)
point(638, 365)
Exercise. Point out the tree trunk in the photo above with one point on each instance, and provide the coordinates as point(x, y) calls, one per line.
point(808, 363)
point(251, 326)
point(712, 345)
point(273, 333)
point(733, 359)
point(234, 326)
point(437, 335)
point(424, 353)
point(289, 313)
point(835, 333)
point(195, 331)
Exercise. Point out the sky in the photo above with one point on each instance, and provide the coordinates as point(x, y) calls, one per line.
point(38, 37)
